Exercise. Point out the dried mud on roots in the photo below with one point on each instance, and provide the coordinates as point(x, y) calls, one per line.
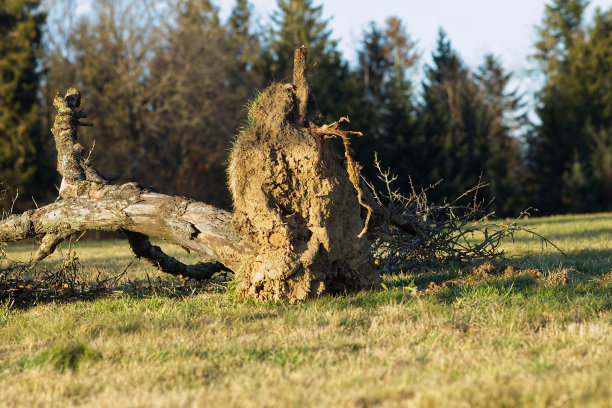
point(294, 200)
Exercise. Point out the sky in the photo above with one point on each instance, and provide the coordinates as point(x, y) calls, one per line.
point(475, 27)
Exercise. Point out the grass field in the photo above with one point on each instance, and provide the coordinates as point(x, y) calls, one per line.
point(447, 339)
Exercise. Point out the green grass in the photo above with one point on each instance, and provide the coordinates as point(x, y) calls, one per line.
point(498, 341)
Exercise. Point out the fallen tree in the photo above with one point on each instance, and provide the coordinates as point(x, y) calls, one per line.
point(87, 201)
point(297, 231)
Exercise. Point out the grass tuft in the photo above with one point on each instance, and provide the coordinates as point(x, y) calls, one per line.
point(67, 356)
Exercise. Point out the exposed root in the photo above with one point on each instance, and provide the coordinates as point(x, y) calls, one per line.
point(353, 168)
point(295, 200)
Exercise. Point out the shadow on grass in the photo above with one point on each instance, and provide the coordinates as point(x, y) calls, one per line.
point(582, 299)
point(446, 285)
point(584, 276)
point(492, 287)
point(590, 262)
point(25, 294)
point(557, 237)
point(566, 219)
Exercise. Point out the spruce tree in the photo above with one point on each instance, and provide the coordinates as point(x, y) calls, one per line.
point(465, 134)
point(561, 22)
point(398, 140)
point(555, 143)
point(447, 151)
point(297, 23)
point(381, 100)
point(243, 36)
point(20, 135)
point(505, 118)
point(367, 92)
point(568, 150)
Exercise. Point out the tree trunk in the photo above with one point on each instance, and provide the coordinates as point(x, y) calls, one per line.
point(89, 202)
point(195, 226)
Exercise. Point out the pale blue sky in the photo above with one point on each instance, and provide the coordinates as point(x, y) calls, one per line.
point(475, 27)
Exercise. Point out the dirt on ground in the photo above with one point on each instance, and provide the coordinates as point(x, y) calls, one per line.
point(561, 276)
point(480, 270)
point(294, 200)
point(485, 269)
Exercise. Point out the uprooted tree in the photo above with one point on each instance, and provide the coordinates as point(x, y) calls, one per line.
point(297, 230)
point(304, 220)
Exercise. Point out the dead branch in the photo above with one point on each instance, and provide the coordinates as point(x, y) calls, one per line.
point(142, 248)
point(190, 224)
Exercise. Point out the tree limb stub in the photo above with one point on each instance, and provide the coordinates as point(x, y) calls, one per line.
point(300, 82)
point(78, 176)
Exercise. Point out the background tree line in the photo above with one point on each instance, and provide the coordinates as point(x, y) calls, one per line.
point(167, 82)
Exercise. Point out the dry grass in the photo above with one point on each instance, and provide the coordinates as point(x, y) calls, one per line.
point(508, 341)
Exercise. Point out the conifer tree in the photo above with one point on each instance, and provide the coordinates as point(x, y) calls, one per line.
point(505, 117)
point(242, 33)
point(398, 140)
point(297, 23)
point(553, 146)
point(569, 150)
point(381, 99)
point(465, 136)
point(20, 134)
point(561, 22)
point(447, 150)
point(366, 90)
